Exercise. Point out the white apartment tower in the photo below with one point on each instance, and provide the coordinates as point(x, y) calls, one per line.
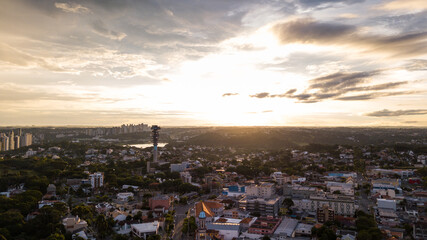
point(96, 179)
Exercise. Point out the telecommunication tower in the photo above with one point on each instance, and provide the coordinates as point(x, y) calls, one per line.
point(155, 134)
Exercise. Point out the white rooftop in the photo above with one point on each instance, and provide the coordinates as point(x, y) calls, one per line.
point(146, 227)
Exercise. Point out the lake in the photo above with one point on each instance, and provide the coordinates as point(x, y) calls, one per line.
point(146, 145)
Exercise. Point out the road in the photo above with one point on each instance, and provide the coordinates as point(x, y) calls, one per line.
point(181, 212)
point(365, 203)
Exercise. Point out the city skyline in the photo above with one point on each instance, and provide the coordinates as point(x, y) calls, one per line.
point(207, 63)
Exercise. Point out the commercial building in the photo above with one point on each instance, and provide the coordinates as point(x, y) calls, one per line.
point(343, 188)
point(299, 191)
point(342, 205)
point(386, 204)
point(179, 167)
point(286, 227)
point(265, 225)
point(143, 230)
point(325, 214)
point(227, 229)
point(234, 190)
point(263, 190)
point(264, 206)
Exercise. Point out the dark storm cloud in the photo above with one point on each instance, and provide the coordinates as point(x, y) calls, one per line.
point(336, 86)
point(308, 30)
point(388, 113)
point(229, 94)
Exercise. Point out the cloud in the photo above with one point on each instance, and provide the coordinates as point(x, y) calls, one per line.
point(336, 86)
point(229, 94)
point(72, 8)
point(13, 94)
point(348, 15)
point(309, 31)
point(416, 65)
point(388, 113)
point(100, 28)
point(16, 57)
point(325, 3)
point(405, 5)
point(261, 95)
point(374, 95)
point(409, 122)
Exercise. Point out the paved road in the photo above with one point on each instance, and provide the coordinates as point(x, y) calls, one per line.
point(365, 203)
point(181, 212)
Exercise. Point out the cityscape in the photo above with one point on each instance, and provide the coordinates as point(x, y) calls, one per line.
point(213, 120)
point(214, 183)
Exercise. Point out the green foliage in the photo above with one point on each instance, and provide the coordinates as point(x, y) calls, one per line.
point(12, 221)
point(154, 237)
point(288, 202)
point(323, 233)
point(83, 211)
point(103, 226)
point(56, 236)
point(120, 237)
point(189, 225)
point(367, 227)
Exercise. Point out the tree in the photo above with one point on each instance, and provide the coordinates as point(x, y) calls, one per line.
point(56, 236)
point(120, 237)
point(82, 211)
point(323, 233)
point(288, 203)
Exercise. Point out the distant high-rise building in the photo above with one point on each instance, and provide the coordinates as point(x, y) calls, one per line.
point(5, 143)
point(27, 140)
point(17, 141)
point(11, 141)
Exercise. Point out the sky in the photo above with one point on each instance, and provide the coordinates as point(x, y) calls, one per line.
point(216, 62)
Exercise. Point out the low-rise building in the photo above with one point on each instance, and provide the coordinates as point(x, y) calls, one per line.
point(265, 225)
point(386, 204)
point(342, 205)
point(124, 196)
point(143, 230)
point(286, 227)
point(74, 224)
point(264, 206)
point(160, 201)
